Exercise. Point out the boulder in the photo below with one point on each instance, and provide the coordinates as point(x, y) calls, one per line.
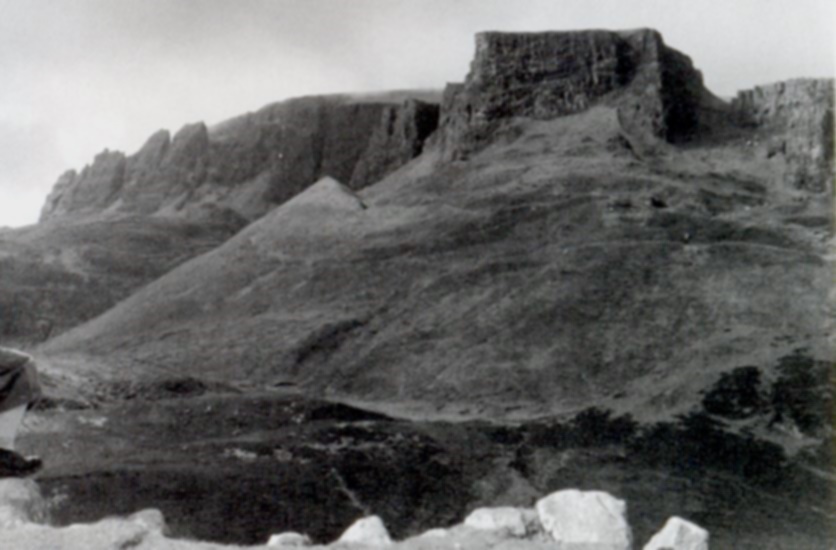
point(150, 519)
point(289, 539)
point(21, 503)
point(515, 522)
point(436, 533)
point(591, 520)
point(679, 534)
point(369, 531)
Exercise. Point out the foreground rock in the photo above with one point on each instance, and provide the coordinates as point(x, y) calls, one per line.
point(515, 522)
point(290, 540)
point(21, 503)
point(574, 520)
point(679, 534)
point(368, 531)
point(585, 520)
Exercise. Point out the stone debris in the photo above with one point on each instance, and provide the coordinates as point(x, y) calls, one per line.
point(584, 520)
point(569, 520)
point(679, 534)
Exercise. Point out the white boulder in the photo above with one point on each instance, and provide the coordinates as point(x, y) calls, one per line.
point(588, 520)
point(290, 539)
point(679, 534)
point(369, 531)
point(516, 522)
point(21, 502)
point(151, 519)
point(436, 533)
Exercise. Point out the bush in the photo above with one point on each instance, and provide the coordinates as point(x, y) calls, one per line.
point(802, 392)
point(736, 395)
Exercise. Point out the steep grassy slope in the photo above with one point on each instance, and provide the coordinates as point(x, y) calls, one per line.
point(556, 269)
point(123, 221)
point(57, 275)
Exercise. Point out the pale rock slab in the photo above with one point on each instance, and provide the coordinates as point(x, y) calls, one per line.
point(679, 534)
point(436, 533)
point(585, 520)
point(21, 503)
point(150, 519)
point(369, 531)
point(516, 522)
point(289, 539)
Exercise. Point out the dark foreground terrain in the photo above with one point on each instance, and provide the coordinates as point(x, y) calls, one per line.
point(237, 467)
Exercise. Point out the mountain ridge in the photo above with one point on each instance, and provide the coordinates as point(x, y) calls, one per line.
point(250, 163)
point(629, 204)
point(576, 282)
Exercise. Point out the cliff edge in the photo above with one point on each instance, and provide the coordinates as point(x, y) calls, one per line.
point(246, 166)
point(543, 75)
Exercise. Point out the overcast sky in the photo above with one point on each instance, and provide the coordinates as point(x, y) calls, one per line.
point(78, 76)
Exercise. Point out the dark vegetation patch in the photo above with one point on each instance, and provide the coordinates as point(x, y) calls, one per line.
point(315, 467)
point(326, 340)
point(339, 412)
point(48, 403)
point(721, 203)
point(678, 226)
point(176, 387)
point(736, 395)
point(812, 222)
point(269, 463)
point(801, 394)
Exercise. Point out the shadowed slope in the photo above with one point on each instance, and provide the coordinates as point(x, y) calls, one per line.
point(56, 275)
point(554, 270)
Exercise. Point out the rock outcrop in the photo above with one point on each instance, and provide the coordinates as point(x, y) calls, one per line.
point(656, 89)
point(94, 188)
point(249, 164)
point(798, 116)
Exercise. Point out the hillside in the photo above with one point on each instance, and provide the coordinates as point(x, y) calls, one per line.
point(57, 275)
point(123, 221)
point(566, 262)
point(584, 271)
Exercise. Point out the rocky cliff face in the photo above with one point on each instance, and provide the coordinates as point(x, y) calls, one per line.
point(545, 75)
point(799, 116)
point(95, 187)
point(249, 164)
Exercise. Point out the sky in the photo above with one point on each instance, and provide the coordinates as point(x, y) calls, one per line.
point(79, 76)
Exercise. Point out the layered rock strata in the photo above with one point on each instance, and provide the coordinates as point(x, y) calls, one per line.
point(545, 75)
point(798, 114)
point(249, 164)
